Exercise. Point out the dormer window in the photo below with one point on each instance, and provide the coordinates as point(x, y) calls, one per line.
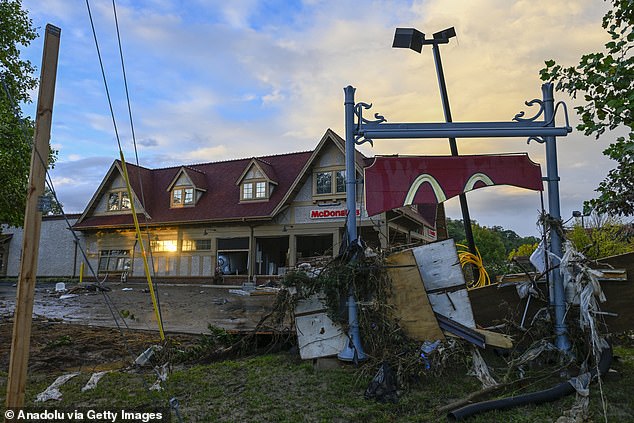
point(254, 190)
point(187, 187)
point(329, 182)
point(118, 200)
point(182, 196)
point(256, 182)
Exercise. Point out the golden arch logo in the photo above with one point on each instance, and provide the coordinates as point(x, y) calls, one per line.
point(418, 182)
point(475, 178)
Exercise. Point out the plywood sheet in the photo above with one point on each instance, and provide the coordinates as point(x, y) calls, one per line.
point(409, 299)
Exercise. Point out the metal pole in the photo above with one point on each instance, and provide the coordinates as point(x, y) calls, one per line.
point(353, 350)
point(351, 174)
point(552, 174)
point(452, 145)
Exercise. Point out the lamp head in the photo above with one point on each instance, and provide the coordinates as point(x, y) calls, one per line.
point(408, 38)
point(445, 34)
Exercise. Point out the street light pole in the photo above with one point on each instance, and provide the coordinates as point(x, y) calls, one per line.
point(464, 207)
point(414, 40)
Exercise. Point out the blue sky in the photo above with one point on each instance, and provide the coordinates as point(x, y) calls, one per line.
point(216, 80)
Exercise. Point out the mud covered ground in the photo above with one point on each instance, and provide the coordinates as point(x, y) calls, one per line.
point(59, 347)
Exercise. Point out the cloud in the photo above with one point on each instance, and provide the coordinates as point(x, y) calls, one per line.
point(246, 78)
point(149, 142)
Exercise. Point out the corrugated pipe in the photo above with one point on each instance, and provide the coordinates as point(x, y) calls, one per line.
point(547, 395)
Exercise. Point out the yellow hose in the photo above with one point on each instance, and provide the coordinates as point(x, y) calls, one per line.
point(468, 258)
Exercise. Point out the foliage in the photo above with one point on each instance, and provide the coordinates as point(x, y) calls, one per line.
point(16, 130)
point(56, 208)
point(606, 78)
point(523, 250)
point(16, 80)
point(605, 241)
point(494, 244)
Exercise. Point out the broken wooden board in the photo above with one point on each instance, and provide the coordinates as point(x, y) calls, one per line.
point(317, 335)
point(409, 299)
point(444, 281)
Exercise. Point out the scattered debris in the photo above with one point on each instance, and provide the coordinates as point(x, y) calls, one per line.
point(146, 355)
point(94, 379)
point(161, 373)
point(53, 392)
point(383, 387)
point(317, 335)
point(67, 296)
point(481, 370)
point(60, 287)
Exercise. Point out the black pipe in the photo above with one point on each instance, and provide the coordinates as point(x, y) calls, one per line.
point(547, 395)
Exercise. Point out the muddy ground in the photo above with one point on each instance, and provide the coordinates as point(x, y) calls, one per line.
point(59, 347)
point(184, 308)
point(82, 332)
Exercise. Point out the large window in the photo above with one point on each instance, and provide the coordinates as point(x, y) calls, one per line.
point(330, 182)
point(255, 190)
point(164, 246)
point(118, 200)
point(182, 196)
point(196, 245)
point(233, 256)
point(114, 260)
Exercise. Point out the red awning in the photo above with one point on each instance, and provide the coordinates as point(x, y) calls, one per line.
point(392, 182)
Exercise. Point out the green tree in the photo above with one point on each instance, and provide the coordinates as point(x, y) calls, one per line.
point(605, 79)
point(455, 230)
point(609, 239)
point(16, 131)
point(524, 250)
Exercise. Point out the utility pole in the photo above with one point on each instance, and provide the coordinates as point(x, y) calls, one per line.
point(21, 339)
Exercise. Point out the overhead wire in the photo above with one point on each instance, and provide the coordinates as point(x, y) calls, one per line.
point(126, 177)
point(110, 303)
point(133, 133)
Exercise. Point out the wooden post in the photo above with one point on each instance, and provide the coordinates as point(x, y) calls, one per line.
point(21, 339)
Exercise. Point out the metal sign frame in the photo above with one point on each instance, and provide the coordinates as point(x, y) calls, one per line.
point(360, 130)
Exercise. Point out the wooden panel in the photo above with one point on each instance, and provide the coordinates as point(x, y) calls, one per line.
point(411, 305)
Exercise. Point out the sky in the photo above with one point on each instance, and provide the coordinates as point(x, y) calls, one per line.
point(218, 80)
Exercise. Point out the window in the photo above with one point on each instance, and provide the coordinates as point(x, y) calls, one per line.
point(247, 191)
point(183, 196)
point(118, 200)
point(255, 190)
point(233, 256)
point(114, 260)
point(169, 245)
point(196, 244)
point(324, 182)
point(260, 190)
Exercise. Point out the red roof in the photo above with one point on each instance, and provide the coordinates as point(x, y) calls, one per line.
point(221, 201)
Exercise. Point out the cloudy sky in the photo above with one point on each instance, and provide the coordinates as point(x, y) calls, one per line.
point(216, 80)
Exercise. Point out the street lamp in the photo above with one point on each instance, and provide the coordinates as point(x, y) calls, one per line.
point(415, 40)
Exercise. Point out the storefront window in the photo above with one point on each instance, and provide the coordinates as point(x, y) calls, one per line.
point(114, 260)
point(196, 245)
point(233, 256)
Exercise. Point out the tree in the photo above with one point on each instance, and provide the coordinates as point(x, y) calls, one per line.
point(603, 237)
point(16, 131)
point(606, 78)
point(524, 250)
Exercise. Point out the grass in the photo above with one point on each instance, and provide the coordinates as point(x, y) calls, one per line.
point(282, 388)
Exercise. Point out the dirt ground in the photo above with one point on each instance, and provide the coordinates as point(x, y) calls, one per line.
point(184, 308)
point(58, 347)
point(81, 332)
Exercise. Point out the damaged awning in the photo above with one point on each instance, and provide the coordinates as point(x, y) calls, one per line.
point(392, 182)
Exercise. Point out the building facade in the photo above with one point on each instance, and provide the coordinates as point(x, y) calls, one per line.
point(59, 253)
point(236, 220)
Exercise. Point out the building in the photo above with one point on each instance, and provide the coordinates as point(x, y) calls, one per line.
point(59, 253)
point(235, 220)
